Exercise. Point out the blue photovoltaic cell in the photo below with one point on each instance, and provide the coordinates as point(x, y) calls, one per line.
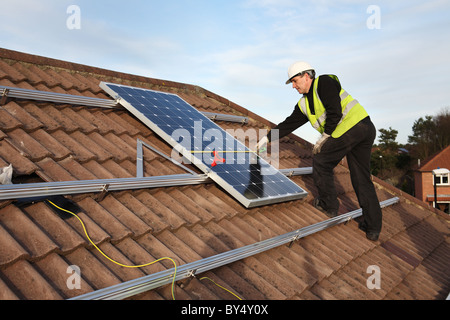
point(246, 176)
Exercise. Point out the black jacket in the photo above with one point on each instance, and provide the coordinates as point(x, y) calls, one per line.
point(328, 91)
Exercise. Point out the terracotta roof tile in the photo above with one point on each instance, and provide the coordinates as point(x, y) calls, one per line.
point(3, 135)
point(11, 73)
point(28, 283)
point(125, 216)
point(55, 228)
point(94, 272)
point(53, 171)
point(31, 77)
point(28, 145)
point(118, 170)
point(170, 218)
point(76, 170)
point(13, 251)
point(28, 122)
point(47, 120)
point(104, 219)
point(100, 153)
point(53, 146)
point(111, 144)
point(7, 121)
point(25, 231)
point(78, 150)
point(155, 223)
point(22, 165)
point(6, 293)
point(57, 271)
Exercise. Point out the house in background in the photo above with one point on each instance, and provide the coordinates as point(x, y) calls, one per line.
point(435, 173)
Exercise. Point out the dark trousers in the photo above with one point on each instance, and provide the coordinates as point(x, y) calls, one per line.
point(356, 144)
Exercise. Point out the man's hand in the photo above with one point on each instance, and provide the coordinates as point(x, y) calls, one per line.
point(262, 145)
point(318, 147)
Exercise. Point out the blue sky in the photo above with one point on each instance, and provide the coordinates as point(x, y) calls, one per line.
point(241, 50)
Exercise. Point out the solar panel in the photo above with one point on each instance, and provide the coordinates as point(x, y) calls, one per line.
point(238, 170)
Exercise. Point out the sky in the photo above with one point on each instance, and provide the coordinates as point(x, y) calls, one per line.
point(392, 56)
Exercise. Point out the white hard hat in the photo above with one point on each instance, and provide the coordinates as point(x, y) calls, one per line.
point(297, 68)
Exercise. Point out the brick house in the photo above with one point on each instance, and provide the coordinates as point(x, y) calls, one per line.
point(425, 183)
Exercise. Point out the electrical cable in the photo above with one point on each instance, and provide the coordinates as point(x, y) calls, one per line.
point(206, 278)
point(136, 266)
point(112, 260)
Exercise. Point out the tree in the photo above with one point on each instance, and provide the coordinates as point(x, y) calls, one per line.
point(430, 135)
point(384, 157)
point(443, 128)
point(387, 140)
point(423, 136)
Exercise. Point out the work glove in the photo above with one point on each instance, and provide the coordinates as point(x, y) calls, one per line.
point(262, 145)
point(318, 146)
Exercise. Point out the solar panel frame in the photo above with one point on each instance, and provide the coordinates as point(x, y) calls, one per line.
point(253, 183)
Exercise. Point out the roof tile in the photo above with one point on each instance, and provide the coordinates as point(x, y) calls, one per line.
point(11, 252)
point(125, 216)
point(112, 147)
point(104, 219)
point(57, 150)
point(51, 171)
point(21, 165)
point(25, 231)
point(7, 121)
point(80, 152)
point(28, 145)
point(93, 271)
point(56, 228)
point(100, 153)
point(29, 122)
point(28, 283)
point(47, 79)
point(11, 73)
point(6, 293)
point(58, 273)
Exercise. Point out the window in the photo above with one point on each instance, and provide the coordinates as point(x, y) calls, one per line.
point(441, 179)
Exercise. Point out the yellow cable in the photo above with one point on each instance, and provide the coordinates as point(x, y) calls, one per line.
point(206, 278)
point(118, 263)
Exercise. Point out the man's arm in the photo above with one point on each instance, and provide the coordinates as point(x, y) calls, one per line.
point(329, 90)
point(290, 124)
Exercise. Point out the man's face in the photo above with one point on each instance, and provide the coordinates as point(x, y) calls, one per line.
point(302, 83)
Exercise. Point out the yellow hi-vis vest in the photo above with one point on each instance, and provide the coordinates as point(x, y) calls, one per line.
point(352, 111)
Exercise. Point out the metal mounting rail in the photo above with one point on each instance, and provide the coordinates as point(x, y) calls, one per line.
point(30, 190)
point(27, 94)
point(45, 189)
point(296, 171)
point(150, 282)
point(225, 117)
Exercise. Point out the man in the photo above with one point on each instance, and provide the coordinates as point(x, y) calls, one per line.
point(346, 130)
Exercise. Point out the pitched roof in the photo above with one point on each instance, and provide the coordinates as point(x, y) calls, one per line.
point(48, 142)
point(439, 160)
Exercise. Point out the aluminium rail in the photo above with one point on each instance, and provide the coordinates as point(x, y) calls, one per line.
point(153, 281)
point(45, 189)
point(27, 94)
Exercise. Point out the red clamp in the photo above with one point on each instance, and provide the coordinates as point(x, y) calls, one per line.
point(217, 159)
